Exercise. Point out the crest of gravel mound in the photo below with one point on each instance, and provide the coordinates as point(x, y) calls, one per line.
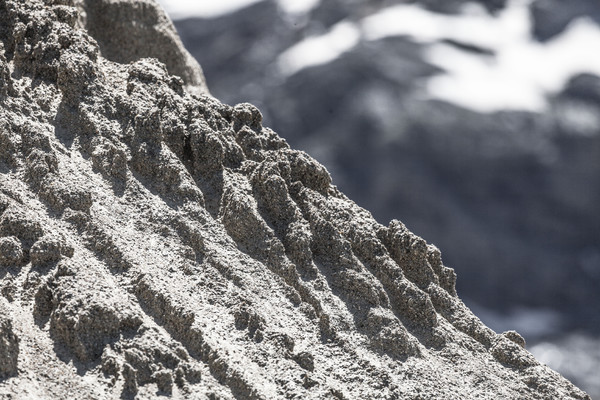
point(154, 242)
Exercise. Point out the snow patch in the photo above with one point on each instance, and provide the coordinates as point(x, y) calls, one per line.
point(520, 74)
point(298, 6)
point(179, 9)
point(318, 50)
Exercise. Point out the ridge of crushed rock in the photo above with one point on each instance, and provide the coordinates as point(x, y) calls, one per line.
point(155, 241)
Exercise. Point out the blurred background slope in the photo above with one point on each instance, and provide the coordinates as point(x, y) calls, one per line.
point(477, 124)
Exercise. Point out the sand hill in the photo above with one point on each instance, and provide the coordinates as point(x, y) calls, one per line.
point(156, 242)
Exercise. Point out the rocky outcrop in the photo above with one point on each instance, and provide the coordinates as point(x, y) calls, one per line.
point(159, 242)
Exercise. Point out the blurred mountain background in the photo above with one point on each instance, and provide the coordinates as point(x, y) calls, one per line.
point(477, 124)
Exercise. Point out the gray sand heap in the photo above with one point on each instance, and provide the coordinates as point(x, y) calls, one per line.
point(154, 241)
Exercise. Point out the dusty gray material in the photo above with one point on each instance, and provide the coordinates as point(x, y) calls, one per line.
point(9, 344)
point(172, 245)
point(10, 251)
point(129, 30)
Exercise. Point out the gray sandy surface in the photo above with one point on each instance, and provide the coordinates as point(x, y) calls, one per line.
point(156, 242)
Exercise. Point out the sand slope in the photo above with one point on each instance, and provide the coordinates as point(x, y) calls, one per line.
point(154, 242)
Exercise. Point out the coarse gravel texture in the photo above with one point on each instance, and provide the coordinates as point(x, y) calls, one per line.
point(156, 242)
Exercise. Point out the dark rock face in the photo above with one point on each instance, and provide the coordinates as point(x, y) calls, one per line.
point(507, 195)
point(551, 17)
